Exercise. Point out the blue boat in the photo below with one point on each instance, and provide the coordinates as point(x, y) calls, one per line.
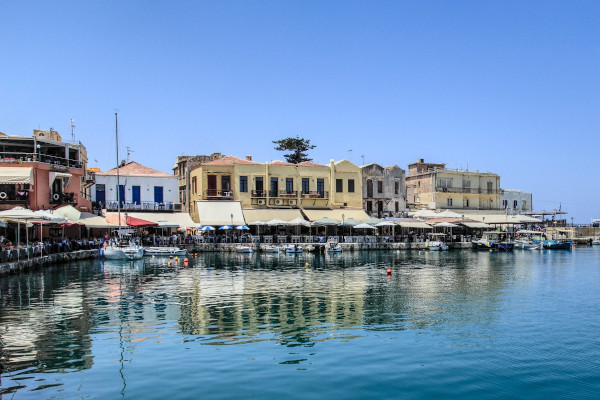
point(558, 244)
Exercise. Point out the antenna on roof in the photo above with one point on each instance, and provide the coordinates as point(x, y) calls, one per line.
point(363, 158)
point(129, 151)
point(72, 131)
point(350, 151)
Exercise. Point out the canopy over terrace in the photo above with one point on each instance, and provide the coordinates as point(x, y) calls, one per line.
point(160, 220)
point(253, 215)
point(14, 175)
point(218, 213)
point(502, 219)
point(336, 214)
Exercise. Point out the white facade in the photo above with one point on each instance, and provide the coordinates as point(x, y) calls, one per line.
point(516, 201)
point(139, 191)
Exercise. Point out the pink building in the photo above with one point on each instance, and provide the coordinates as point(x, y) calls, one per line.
point(43, 172)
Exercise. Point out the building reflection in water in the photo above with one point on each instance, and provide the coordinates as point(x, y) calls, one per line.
point(49, 319)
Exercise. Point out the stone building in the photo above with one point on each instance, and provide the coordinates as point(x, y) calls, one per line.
point(384, 190)
point(183, 166)
point(433, 186)
point(516, 201)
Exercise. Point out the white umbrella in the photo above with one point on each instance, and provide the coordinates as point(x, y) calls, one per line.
point(385, 223)
point(326, 222)
point(364, 226)
point(277, 222)
point(18, 215)
point(299, 221)
point(372, 221)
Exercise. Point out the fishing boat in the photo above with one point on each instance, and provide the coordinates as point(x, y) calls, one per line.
point(527, 245)
point(558, 244)
point(437, 244)
point(292, 249)
point(267, 248)
point(243, 249)
point(332, 246)
point(164, 251)
point(493, 241)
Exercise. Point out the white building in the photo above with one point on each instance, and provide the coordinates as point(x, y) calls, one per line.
point(516, 201)
point(141, 188)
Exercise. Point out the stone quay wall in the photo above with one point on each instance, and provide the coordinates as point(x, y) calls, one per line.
point(22, 265)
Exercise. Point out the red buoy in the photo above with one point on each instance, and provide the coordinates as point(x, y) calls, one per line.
point(389, 271)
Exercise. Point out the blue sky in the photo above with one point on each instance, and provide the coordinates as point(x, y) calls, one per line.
point(510, 87)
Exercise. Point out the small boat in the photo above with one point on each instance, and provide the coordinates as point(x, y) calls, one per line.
point(243, 249)
point(437, 245)
point(332, 246)
point(309, 248)
point(164, 251)
point(115, 251)
point(292, 248)
point(595, 242)
point(267, 248)
point(492, 241)
point(528, 245)
point(561, 244)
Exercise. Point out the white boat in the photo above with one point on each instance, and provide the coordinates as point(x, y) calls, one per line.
point(595, 242)
point(125, 252)
point(332, 246)
point(437, 245)
point(267, 248)
point(164, 251)
point(244, 249)
point(292, 248)
point(528, 245)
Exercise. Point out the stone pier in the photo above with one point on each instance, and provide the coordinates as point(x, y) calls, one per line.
point(22, 265)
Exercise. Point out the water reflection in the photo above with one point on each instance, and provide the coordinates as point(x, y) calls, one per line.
point(50, 319)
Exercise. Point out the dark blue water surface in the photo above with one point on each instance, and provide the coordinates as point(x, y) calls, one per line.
point(453, 325)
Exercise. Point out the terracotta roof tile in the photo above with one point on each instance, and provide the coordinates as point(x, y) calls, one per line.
point(310, 164)
point(134, 169)
point(231, 160)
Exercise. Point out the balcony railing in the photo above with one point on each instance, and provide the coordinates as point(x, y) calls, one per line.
point(143, 206)
point(19, 197)
point(63, 198)
point(259, 193)
point(223, 194)
point(441, 189)
point(18, 157)
point(315, 195)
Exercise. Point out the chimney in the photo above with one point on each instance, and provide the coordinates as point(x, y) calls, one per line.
point(249, 157)
point(421, 160)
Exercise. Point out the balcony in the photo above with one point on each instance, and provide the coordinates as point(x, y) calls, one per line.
point(63, 198)
point(315, 195)
point(143, 206)
point(19, 197)
point(441, 189)
point(55, 162)
point(219, 194)
point(259, 193)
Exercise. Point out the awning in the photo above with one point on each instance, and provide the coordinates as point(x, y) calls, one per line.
point(336, 214)
point(94, 221)
point(253, 215)
point(475, 225)
point(69, 212)
point(133, 221)
point(414, 224)
point(53, 175)
point(13, 175)
point(161, 220)
point(217, 213)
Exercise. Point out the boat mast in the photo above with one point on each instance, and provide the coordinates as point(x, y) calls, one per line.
point(118, 183)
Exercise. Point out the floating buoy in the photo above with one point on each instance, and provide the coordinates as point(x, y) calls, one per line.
point(185, 262)
point(170, 256)
point(176, 259)
point(169, 263)
point(306, 265)
point(389, 271)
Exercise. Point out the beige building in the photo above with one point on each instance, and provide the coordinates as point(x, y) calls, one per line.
point(432, 186)
point(183, 166)
point(274, 186)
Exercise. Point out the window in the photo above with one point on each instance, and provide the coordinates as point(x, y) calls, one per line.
point(369, 207)
point(445, 183)
point(466, 184)
point(289, 185)
point(504, 203)
point(321, 187)
point(350, 185)
point(339, 185)
point(305, 185)
point(225, 183)
point(466, 203)
point(397, 206)
point(258, 186)
point(515, 204)
point(489, 187)
point(379, 186)
point(524, 205)
point(274, 187)
point(243, 184)
point(158, 194)
point(449, 202)
point(396, 187)
point(100, 193)
point(194, 185)
point(369, 188)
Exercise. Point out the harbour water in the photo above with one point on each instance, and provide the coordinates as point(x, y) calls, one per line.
point(450, 325)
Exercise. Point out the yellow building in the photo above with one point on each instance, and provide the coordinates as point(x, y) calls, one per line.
point(273, 186)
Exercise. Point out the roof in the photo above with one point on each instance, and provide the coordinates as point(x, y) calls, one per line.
point(134, 169)
point(279, 162)
point(309, 164)
point(230, 160)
